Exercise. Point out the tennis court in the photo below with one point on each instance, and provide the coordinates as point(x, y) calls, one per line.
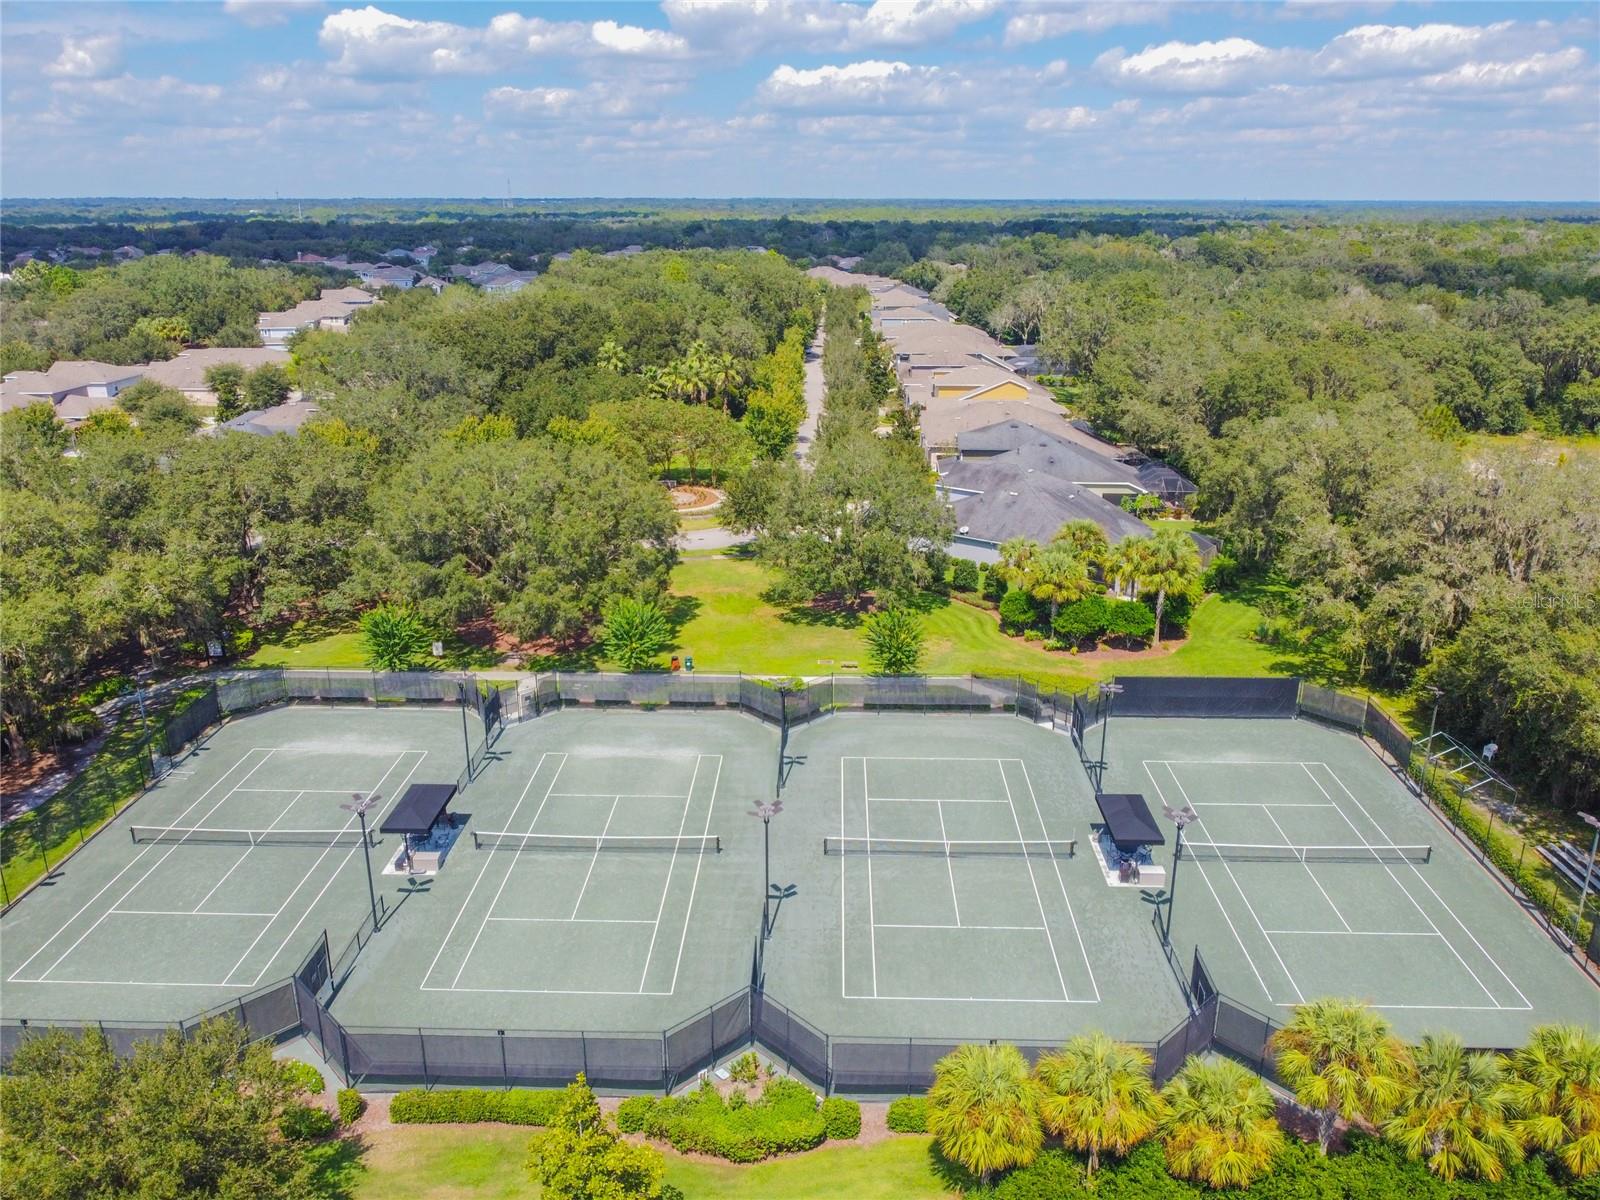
point(212, 883)
point(940, 890)
point(1311, 871)
point(609, 879)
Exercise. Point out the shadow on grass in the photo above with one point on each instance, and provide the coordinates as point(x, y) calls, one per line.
point(679, 611)
point(952, 1175)
point(336, 1167)
point(292, 634)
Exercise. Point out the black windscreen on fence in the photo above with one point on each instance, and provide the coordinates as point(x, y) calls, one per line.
point(790, 1041)
point(1336, 708)
point(1191, 1036)
point(184, 727)
point(1204, 696)
point(1388, 734)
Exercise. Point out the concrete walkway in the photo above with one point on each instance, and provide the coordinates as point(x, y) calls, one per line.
point(816, 393)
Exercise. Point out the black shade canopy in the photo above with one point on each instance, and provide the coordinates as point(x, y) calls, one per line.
point(419, 809)
point(1128, 819)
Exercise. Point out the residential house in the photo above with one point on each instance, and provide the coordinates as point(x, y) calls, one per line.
point(508, 282)
point(126, 253)
point(187, 372)
point(625, 252)
point(75, 388)
point(432, 283)
point(388, 276)
point(332, 310)
point(305, 259)
point(280, 418)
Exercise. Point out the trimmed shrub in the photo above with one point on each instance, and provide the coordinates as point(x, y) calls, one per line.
point(785, 1119)
point(1222, 575)
point(633, 1114)
point(841, 1118)
point(1017, 611)
point(909, 1114)
point(304, 1076)
point(351, 1106)
point(746, 1068)
point(466, 1106)
point(305, 1123)
point(1175, 616)
point(1082, 620)
point(964, 575)
point(1130, 620)
point(994, 584)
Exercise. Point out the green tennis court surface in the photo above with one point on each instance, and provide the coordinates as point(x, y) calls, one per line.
point(938, 873)
point(1384, 905)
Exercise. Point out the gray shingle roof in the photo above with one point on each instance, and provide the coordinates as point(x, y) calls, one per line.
point(999, 502)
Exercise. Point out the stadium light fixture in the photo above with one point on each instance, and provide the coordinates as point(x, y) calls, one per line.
point(361, 805)
point(766, 810)
point(1180, 817)
point(1588, 874)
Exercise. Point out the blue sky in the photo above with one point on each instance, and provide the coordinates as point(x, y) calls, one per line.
point(899, 98)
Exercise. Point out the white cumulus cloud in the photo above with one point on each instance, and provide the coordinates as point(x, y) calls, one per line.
point(870, 85)
point(1220, 66)
point(92, 57)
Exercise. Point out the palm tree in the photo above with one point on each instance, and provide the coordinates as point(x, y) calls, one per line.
point(1456, 1113)
point(1219, 1128)
point(983, 1109)
point(1016, 558)
point(610, 357)
point(695, 368)
point(1171, 567)
point(1059, 576)
point(1341, 1059)
point(1555, 1090)
point(1126, 564)
point(1088, 540)
point(724, 376)
point(1098, 1095)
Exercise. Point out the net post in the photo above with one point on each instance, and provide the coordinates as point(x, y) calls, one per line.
point(422, 1055)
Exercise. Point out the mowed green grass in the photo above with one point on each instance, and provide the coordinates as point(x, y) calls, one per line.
point(732, 628)
point(435, 1162)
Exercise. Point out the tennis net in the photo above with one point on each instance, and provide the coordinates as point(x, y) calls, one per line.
point(506, 840)
point(1244, 852)
point(180, 835)
point(1042, 848)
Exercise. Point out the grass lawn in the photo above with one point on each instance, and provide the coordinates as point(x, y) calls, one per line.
point(436, 1162)
point(729, 627)
point(327, 646)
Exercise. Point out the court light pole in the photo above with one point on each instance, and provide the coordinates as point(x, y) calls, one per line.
point(361, 805)
point(1107, 692)
point(1180, 817)
point(1588, 873)
point(766, 810)
point(1438, 694)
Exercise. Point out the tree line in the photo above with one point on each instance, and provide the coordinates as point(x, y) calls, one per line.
point(474, 457)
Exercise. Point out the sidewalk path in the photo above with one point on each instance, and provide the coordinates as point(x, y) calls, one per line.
point(815, 393)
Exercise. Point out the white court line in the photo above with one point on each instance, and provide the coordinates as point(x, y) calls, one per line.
point(1437, 1007)
point(1309, 871)
point(629, 795)
point(481, 871)
point(177, 912)
point(1226, 866)
point(925, 800)
point(688, 916)
point(1359, 932)
point(511, 866)
point(41, 977)
point(1234, 762)
point(1271, 804)
point(1424, 880)
point(332, 875)
point(1037, 899)
point(1062, 883)
point(314, 791)
point(872, 912)
point(515, 991)
point(589, 874)
point(233, 987)
point(1027, 928)
point(1222, 908)
point(578, 920)
point(672, 864)
point(240, 860)
point(949, 864)
point(977, 999)
point(923, 758)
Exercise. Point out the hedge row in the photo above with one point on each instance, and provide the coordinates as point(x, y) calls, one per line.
point(784, 1119)
point(518, 1106)
point(1503, 851)
point(1371, 1169)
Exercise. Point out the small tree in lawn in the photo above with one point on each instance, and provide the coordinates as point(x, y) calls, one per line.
point(635, 631)
point(1170, 567)
point(581, 1157)
point(226, 381)
point(1098, 1095)
point(1341, 1059)
point(983, 1109)
point(1220, 1128)
point(894, 642)
point(394, 638)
